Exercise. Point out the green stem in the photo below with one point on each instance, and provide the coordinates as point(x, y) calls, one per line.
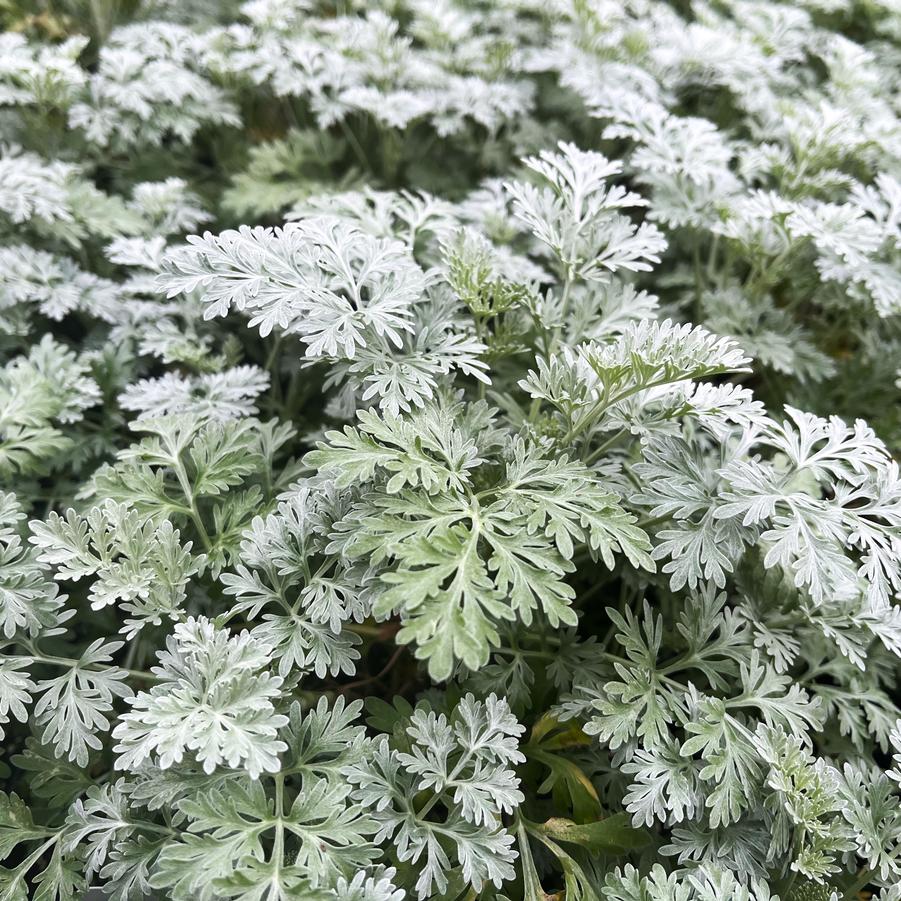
point(480, 336)
point(853, 892)
point(650, 523)
point(72, 663)
point(564, 311)
point(355, 146)
point(711, 259)
point(188, 492)
point(437, 796)
point(595, 413)
point(278, 845)
point(271, 360)
point(699, 281)
point(596, 455)
point(364, 629)
point(36, 855)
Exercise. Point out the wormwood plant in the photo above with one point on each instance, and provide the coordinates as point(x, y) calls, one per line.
point(435, 453)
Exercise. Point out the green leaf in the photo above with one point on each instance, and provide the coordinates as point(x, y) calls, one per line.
point(16, 824)
point(62, 880)
point(448, 597)
point(612, 835)
point(13, 886)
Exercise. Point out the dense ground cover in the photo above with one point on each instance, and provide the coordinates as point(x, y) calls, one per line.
point(447, 450)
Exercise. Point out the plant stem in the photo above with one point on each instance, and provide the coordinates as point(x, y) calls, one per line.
point(596, 455)
point(72, 663)
point(853, 892)
point(278, 845)
point(564, 311)
point(188, 492)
